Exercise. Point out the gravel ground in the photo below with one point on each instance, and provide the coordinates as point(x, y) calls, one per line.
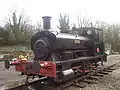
point(9, 77)
point(108, 82)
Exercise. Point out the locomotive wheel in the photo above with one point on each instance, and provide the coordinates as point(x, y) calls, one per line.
point(7, 64)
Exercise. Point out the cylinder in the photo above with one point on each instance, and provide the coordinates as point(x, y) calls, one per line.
point(68, 72)
point(46, 22)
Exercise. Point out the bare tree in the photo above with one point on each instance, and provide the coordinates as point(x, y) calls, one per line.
point(18, 27)
point(111, 34)
point(64, 23)
point(39, 26)
point(82, 22)
point(4, 36)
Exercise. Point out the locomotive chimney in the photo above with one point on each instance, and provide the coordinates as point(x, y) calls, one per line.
point(46, 22)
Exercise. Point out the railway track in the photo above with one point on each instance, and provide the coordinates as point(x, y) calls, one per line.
point(78, 81)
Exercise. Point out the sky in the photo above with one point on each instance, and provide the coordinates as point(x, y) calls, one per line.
point(101, 10)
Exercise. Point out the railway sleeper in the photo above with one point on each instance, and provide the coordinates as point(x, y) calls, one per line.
point(105, 73)
point(80, 85)
point(87, 81)
point(92, 78)
point(109, 70)
point(112, 69)
point(98, 74)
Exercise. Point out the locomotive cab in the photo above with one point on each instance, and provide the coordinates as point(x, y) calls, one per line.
point(96, 45)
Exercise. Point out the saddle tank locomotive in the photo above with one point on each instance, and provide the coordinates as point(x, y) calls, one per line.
point(61, 56)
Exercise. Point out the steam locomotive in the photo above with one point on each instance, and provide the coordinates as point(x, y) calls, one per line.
point(61, 56)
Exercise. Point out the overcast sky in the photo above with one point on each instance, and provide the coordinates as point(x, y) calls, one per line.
point(102, 10)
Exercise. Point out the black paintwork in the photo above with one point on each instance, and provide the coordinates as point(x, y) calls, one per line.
point(44, 43)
